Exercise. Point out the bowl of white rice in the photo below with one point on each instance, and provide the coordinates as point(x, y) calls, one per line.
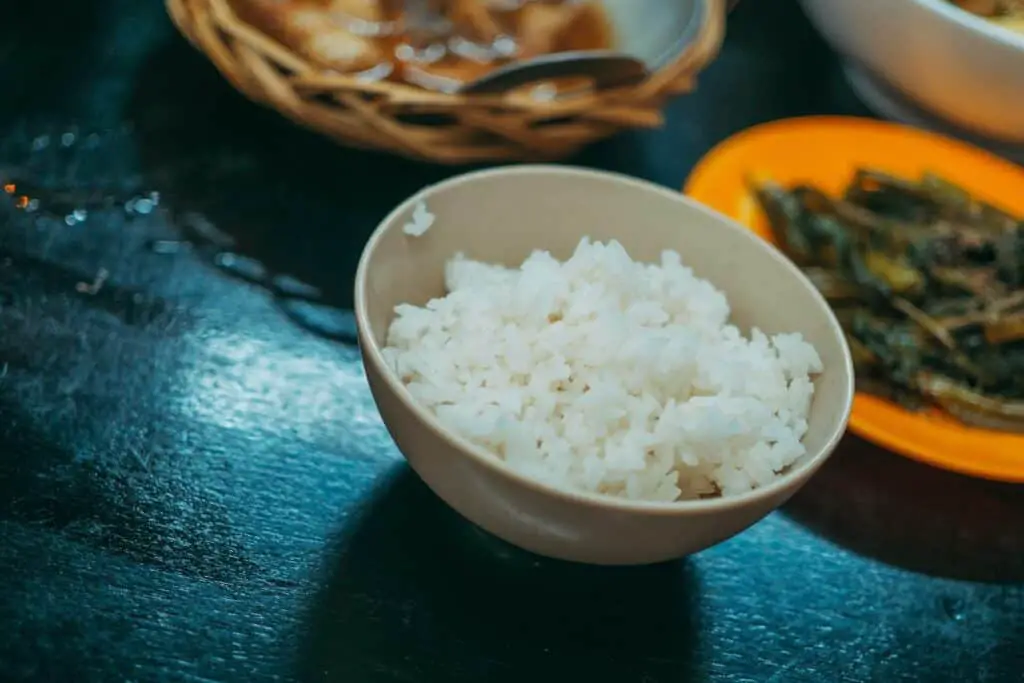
point(595, 368)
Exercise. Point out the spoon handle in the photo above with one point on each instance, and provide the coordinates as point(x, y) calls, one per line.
point(606, 70)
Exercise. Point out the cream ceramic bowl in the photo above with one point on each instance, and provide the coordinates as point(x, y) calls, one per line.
point(501, 216)
point(942, 59)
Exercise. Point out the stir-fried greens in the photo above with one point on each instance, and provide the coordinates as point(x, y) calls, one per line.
point(928, 283)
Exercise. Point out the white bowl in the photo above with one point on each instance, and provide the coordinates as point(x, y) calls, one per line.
point(941, 58)
point(500, 216)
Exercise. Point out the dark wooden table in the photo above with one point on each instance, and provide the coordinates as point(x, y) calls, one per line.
point(194, 483)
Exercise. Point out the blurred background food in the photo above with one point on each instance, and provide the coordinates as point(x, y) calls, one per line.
point(916, 240)
point(435, 44)
point(927, 281)
point(1006, 13)
point(954, 60)
point(392, 74)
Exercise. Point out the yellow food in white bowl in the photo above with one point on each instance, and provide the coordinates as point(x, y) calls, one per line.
point(965, 68)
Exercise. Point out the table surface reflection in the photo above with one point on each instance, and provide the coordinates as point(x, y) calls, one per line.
point(194, 482)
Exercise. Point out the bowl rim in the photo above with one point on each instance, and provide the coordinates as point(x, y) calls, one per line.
point(980, 24)
point(371, 352)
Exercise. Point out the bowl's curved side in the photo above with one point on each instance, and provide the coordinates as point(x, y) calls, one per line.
point(653, 30)
point(529, 518)
point(943, 59)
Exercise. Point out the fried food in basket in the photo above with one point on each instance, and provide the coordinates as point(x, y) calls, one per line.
point(455, 42)
point(315, 33)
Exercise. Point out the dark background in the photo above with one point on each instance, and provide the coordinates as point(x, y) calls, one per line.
point(195, 485)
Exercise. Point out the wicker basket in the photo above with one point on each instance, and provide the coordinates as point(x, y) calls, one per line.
point(417, 123)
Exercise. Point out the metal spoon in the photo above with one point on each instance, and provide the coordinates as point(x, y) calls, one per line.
point(606, 68)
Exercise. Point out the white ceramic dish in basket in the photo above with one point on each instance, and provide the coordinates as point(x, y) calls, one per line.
point(944, 60)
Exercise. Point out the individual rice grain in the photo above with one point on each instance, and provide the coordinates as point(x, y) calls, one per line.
point(420, 221)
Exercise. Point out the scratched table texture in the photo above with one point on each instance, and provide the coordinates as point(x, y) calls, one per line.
point(194, 482)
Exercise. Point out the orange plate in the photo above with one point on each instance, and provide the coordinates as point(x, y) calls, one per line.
point(824, 151)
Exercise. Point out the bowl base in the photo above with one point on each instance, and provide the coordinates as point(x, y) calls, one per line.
point(886, 101)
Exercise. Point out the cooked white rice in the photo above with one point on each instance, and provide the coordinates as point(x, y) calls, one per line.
point(607, 375)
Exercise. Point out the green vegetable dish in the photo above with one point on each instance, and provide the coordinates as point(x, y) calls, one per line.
point(928, 283)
